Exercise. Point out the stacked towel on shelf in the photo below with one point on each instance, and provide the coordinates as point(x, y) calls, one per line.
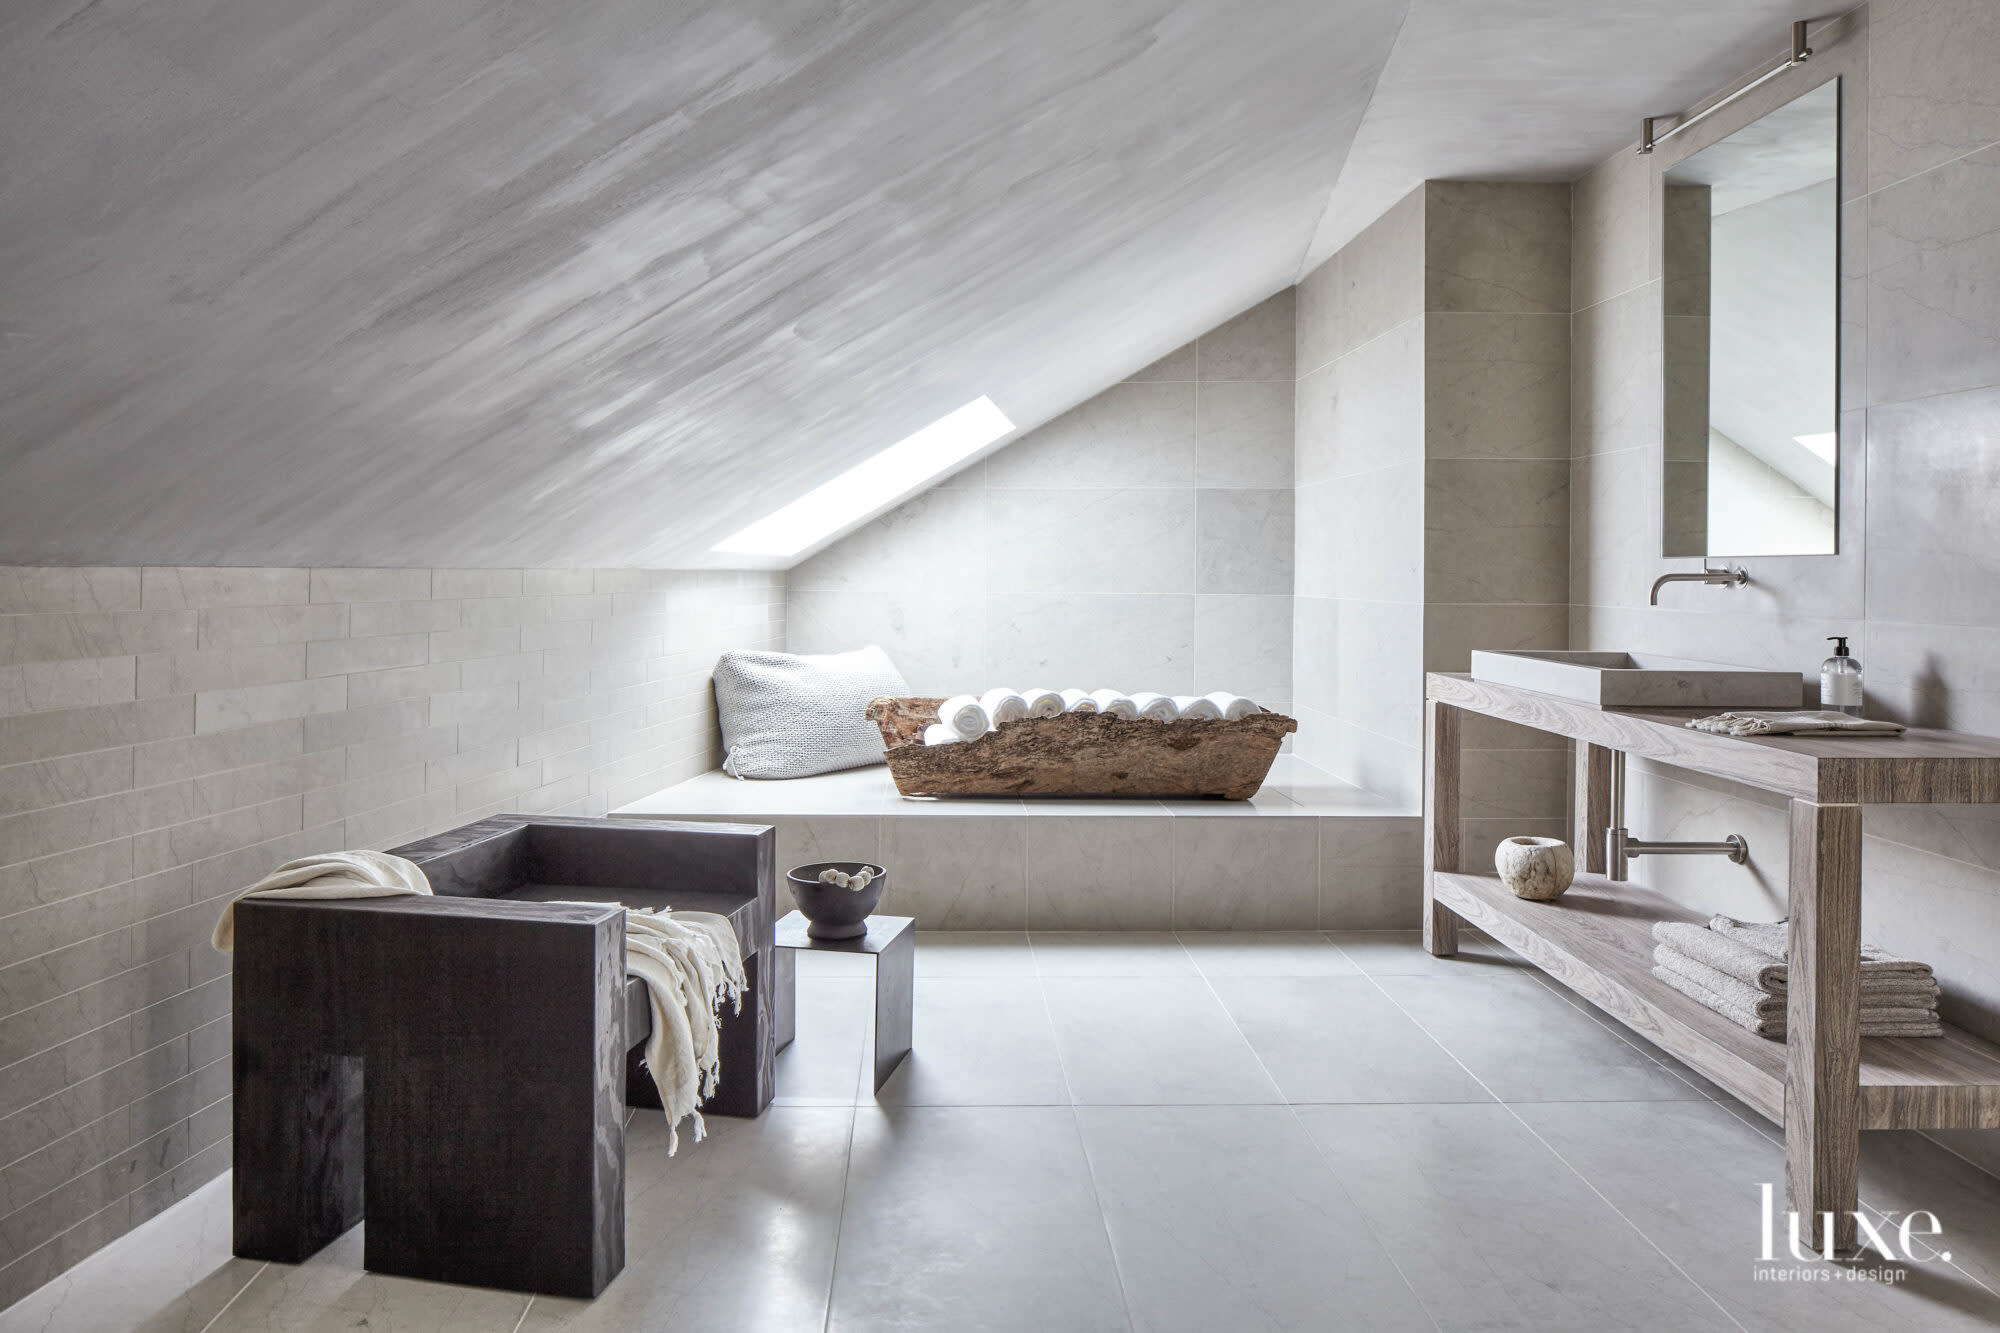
point(1738, 969)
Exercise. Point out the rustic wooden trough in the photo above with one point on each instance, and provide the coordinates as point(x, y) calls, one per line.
point(1080, 754)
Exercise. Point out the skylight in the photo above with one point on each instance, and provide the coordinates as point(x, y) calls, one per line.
point(898, 471)
point(1823, 447)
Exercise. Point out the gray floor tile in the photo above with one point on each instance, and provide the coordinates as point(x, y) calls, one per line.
point(1687, 1174)
point(1266, 954)
point(823, 1065)
point(974, 953)
point(1340, 1039)
point(331, 1290)
point(168, 1275)
point(1226, 1218)
point(735, 1232)
point(1527, 1044)
point(972, 1218)
point(1395, 953)
point(1146, 953)
point(1903, 1171)
point(1145, 1041)
point(979, 1041)
point(1493, 1230)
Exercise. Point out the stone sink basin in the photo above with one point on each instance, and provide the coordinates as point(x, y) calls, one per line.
point(1639, 680)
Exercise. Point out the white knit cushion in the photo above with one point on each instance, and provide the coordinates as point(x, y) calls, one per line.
point(785, 716)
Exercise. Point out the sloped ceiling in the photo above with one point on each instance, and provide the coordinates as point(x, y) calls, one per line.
point(373, 282)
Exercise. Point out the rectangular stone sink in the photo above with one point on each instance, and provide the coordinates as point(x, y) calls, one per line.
point(1639, 680)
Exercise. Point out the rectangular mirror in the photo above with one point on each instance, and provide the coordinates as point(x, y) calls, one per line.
point(1751, 238)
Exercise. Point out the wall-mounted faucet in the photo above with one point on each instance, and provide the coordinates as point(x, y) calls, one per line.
point(1735, 578)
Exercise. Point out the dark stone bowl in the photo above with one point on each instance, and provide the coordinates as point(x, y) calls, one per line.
point(831, 912)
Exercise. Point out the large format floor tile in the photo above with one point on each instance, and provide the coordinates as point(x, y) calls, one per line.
point(1152, 1041)
point(1340, 1039)
point(331, 1291)
point(1493, 1230)
point(979, 1041)
point(755, 1197)
point(1110, 954)
point(1528, 1044)
point(972, 1218)
point(1688, 1173)
point(1272, 954)
point(1226, 1218)
point(823, 1065)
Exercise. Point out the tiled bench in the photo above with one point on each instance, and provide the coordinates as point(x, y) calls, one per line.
point(1307, 852)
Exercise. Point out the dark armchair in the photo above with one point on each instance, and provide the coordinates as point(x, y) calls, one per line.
point(461, 1062)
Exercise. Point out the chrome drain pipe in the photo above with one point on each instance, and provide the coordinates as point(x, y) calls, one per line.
point(1620, 846)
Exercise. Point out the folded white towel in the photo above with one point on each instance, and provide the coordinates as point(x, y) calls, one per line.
point(1114, 703)
point(327, 875)
point(1003, 705)
point(1794, 722)
point(1078, 701)
point(964, 715)
point(690, 963)
point(1158, 707)
point(937, 733)
point(1234, 706)
point(1044, 703)
point(1196, 708)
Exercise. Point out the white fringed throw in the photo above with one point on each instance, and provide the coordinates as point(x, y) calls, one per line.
point(690, 963)
point(327, 875)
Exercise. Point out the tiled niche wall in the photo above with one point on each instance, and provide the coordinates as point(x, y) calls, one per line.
point(169, 735)
point(1916, 585)
point(1433, 478)
point(1142, 540)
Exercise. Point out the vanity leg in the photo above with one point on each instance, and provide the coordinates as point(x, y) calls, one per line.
point(1441, 722)
point(1593, 806)
point(1823, 1020)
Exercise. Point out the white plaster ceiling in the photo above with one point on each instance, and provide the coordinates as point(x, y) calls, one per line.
point(372, 282)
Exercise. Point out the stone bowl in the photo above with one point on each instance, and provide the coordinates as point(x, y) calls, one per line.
point(1538, 869)
point(831, 912)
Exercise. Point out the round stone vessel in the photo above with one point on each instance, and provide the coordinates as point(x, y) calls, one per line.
point(1538, 869)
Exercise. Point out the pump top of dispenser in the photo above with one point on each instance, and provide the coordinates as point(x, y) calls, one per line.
point(1839, 642)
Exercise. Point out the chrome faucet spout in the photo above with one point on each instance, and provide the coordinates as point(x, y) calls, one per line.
point(1734, 578)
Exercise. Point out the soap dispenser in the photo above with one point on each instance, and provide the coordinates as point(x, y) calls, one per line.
point(1840, 679)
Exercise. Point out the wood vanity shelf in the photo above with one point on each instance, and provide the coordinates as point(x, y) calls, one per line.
point(1823, 1084)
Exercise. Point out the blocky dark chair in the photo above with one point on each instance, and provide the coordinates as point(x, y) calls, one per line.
point(461, 1062)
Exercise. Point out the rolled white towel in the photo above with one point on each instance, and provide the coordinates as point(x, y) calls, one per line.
point(1197, 708)
point(1158, 707)
point(1078, 701)
point(1234, 706)
point(1044, 703)
point(964, 715)
point(937, 733)
point(1003, 705)
point(1114, 703)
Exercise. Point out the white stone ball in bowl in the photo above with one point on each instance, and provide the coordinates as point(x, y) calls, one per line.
point(1538, 869)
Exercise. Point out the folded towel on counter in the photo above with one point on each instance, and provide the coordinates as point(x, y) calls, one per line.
point(1234, 706)
point(690, 962)
point(1044, 703)
point(1736, 1007)
point(327, 875)
point(937, 733)
point(1003, 705)
point(1078, 701)
point(1196, 708)
point(1114, 703)
point(964, 715)
point(1157, 707)
point(1754, 953)
point(1794, 722)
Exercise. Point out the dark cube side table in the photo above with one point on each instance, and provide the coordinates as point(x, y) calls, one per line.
point(892, 941)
